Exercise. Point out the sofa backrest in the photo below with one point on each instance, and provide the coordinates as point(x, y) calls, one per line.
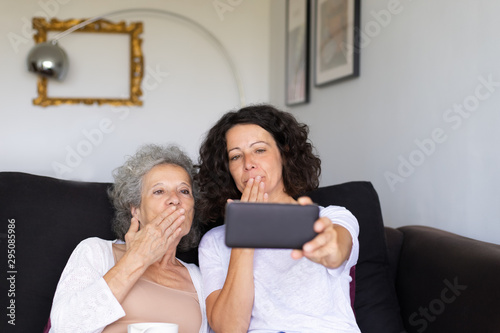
point(49, 218)
point(43, 219)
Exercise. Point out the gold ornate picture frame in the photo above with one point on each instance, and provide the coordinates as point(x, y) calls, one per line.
point(134, 29)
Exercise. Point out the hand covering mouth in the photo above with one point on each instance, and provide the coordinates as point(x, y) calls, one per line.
point(246, 180)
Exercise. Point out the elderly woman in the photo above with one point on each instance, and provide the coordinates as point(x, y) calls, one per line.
point(107, 285)
point(261, 154)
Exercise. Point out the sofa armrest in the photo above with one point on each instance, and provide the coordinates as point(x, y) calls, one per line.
point(448, 283)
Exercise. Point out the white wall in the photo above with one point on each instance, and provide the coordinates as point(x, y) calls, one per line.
point(192, 87)
point(427, 59)
point(416, 71)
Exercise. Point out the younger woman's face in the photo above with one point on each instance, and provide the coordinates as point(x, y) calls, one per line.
point(252, 151)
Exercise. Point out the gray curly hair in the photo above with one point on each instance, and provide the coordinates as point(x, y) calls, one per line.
point(127, 188)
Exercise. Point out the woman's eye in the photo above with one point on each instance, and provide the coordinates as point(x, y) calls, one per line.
point(234, 158)
point(186, 191)
point(158, 192)
point(261, 150)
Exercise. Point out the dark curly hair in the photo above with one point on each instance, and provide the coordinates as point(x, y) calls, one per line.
point(301, 167)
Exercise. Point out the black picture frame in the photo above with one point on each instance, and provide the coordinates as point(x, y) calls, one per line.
point(336, 36)
point(297, 52)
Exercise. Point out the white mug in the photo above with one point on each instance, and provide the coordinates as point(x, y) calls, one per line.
point(152, 328)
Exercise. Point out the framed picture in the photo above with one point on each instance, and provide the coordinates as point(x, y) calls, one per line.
point(88, 59)
point(297, 52)
point(336, 49)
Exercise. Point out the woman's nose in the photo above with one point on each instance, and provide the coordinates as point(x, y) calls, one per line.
point(173, 199)
point(249, 163)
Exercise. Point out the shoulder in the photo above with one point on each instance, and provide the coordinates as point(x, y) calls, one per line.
point(97, 240)
point(333, 209)
point(213, 245)
point(341, 215)
point(92, 256)
point(193, 269)
point(214, 235)
point(93, 248)
point(190, 266)
point(94, 244)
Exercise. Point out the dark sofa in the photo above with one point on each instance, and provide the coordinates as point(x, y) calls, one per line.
point(409, 279)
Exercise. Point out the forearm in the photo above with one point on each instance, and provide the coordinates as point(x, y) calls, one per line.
point(83, 301)
point(97, 305)
point(346, 231)
point(122, 277)
point(230, 309)
point(344, 246)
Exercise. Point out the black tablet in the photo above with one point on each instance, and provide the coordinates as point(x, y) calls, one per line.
point(269, 225)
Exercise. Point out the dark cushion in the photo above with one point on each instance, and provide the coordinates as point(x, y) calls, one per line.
point(51, 217)
point(376, 304)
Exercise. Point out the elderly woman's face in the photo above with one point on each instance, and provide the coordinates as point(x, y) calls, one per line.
point(252, 151)
point(165, 185)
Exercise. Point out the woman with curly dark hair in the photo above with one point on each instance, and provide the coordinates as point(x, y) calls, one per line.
point(301, 170)
point(261, 154)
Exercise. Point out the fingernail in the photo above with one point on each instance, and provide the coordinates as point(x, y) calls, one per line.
point(182, 210)
point(258, 178)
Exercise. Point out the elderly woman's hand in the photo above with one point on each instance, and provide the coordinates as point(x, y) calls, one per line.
point(331, 247)
point(154, 239)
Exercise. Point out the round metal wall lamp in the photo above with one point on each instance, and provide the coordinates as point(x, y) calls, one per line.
point(48, 60)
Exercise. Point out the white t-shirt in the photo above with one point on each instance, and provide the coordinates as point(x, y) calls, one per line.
point(290, 295)
point(83, 301)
